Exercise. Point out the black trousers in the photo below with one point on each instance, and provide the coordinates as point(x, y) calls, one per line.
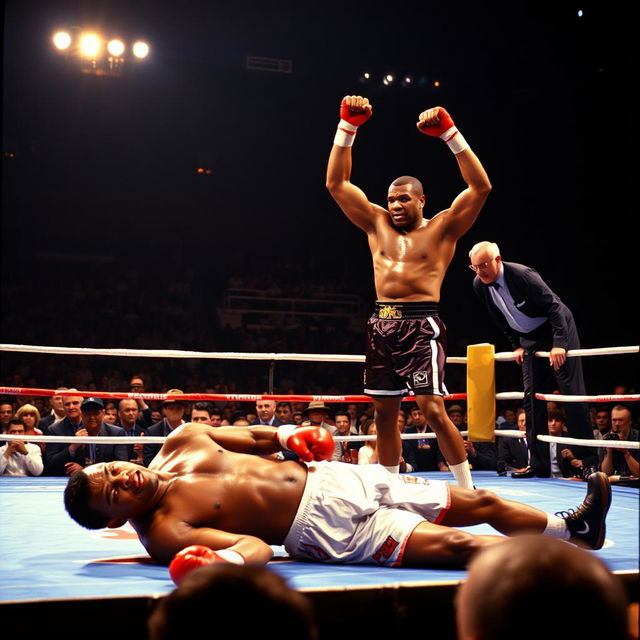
point(539, 377)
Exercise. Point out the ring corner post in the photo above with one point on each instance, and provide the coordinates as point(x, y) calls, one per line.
point(481, 392)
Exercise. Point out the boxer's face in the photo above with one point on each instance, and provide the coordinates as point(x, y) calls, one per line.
point(405, 206)
point(121, 490)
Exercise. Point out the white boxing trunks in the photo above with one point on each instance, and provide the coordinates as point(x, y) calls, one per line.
point(361, 514)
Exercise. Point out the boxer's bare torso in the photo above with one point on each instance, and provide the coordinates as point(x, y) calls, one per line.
point(197, 491)
point(409, 266)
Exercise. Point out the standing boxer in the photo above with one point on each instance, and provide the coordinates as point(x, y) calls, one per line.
point(406, 340)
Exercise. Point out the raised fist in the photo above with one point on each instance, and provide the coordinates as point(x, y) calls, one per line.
point(437, 122)
point(355, 110)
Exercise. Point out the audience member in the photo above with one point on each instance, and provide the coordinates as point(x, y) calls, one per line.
point(622, 462)
point(513, 453)
point(346, 451)
point(65, 459)
point(408, 456)
point(173, 408)
point(352, 410)
point(31, 418)
point(425, 451)
point(201, 413)
point(59, 454)
point(111, 412)
point(266, 413)
point(252, 595)
point(128, 414)
point(136, 385)
point(566, 462)
point(602, 423)
point(482, 456)
point(17, 457)
point(284, 412)
point(6, 413)
point(318, 414)
point(368, 452)
point(457, 415)
point(216, 416)
point(532, 580)
point(57, 411)
point(507, 420)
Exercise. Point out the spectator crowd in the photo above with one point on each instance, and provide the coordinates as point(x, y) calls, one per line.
point(82, 415)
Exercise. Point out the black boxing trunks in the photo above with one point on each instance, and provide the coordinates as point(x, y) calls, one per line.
point(406, 350)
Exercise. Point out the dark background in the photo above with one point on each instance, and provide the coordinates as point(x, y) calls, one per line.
point(106, 167)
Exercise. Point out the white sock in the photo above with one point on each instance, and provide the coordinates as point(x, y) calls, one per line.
point(394, 469)
point(462, 474)
point(556, 527)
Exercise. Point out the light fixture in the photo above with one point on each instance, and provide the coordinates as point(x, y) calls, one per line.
point(61, 40)
point(90, 45)
point(140, 49)
point(115, 47)
point(388, 79)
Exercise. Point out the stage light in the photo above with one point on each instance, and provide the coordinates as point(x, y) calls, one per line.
point(115, 47)
point(365, 77)
point(140, 49)
point(580, 13)
point(436, 83)
point(61, 40)
point(407, 80)
point(90, 45)
point(388, 80)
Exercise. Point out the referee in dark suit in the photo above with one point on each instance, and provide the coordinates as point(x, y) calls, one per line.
point(534, 319)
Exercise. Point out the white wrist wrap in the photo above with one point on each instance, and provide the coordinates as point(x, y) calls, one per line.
point(283, 433)
point(455, 140)
point(345, 134)
point(231, 556)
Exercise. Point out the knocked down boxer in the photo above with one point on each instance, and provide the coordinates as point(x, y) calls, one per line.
point(212, 487)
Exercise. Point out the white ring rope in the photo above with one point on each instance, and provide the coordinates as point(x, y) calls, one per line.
point(610, 444)
point(607, 444)
point(634, 397)
point(309, 357)
point(505, 356)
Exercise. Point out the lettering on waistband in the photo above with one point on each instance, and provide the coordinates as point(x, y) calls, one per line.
point(390, 311)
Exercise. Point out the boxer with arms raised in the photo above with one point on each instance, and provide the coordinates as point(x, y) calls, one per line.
point(406, 340)
point(204, 488)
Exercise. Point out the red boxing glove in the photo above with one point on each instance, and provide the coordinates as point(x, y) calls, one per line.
point(355, 115)
point(438, 123)
point(308, 443)
point(196, 556)
point(444, 122)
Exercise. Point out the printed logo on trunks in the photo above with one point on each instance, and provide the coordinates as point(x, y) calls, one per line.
point(390, 311)
point(385, 551)
point(314, 551)
point(420, 379)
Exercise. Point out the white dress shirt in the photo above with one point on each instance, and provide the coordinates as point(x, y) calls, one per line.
point(510, 308)
point(20, 464)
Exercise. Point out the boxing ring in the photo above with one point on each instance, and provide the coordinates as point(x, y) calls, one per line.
point(65, 573)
